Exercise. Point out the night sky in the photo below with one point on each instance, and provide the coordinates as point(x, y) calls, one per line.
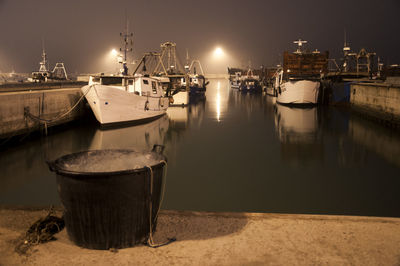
point(81, 33)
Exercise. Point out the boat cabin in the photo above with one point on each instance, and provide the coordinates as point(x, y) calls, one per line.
point(140, 85)
point(194, 81)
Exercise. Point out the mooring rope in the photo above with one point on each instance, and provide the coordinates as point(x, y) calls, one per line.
point(150, 240)
point(48, 121)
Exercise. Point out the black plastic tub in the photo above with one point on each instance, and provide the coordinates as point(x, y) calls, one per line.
point(106, 195)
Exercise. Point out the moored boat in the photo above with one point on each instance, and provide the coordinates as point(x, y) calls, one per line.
point(125, 98)
point(250, 83)
point(117, 99)
point(298, 82)
point(197, 85)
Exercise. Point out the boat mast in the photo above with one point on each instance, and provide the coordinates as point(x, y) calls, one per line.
point(187, 67)
point(127, 43)
point(43, 63)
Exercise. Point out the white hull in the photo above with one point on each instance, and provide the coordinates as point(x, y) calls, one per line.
point(114, 105)
point(298, 92)
point(181, 98)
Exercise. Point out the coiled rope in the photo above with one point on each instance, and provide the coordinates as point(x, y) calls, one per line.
point(150, 240)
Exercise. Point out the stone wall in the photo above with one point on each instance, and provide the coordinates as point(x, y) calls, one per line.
point(47, 104)
point(380, 101)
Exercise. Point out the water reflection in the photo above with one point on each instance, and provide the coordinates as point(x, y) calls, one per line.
point(181, 118)
point(237, 152)
point(25, 178)
point(382, 141)
point(297, 129)
point(217, 98)
point(296, 125)
point(139, 137)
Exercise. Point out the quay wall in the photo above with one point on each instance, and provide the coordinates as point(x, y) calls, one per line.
point(47, 104)
point(380, 101)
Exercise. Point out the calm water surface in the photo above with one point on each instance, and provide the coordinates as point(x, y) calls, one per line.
point(236, 152)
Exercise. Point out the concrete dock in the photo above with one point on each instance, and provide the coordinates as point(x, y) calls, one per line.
point(223, 239)
point(378, 100)
point(43, 100)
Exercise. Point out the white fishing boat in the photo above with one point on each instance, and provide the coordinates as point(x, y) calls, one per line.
point(298, 83)
point(117, 99)
point(125, 98)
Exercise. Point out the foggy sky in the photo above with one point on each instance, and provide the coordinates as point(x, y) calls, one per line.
point(80, 33)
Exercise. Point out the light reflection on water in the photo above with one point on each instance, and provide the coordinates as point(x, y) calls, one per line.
point(237, 152)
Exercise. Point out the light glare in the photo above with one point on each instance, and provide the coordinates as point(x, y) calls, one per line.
point(218, 52)
point(114, 52)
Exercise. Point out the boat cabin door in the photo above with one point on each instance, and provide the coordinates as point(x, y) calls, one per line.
point(130, 85)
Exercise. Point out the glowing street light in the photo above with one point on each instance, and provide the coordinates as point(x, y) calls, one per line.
point(218, 52)
point(114, 52)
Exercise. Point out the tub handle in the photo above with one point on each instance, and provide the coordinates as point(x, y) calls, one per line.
point(158, 148)
point(52, 165)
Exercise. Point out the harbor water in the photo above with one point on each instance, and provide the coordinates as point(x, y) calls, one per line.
point(235, 152)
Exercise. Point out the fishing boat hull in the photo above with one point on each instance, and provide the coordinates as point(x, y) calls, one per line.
point(197, 92)
point(181, 98)
point(250, 89)
point(114, 105)
point(300, 92)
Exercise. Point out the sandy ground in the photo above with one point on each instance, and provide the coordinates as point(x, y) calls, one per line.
point(223, 239)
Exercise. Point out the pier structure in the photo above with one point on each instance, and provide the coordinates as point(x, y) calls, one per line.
point(28, 107)
point(378, 100)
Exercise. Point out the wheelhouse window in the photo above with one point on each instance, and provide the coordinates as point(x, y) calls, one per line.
point(111, 81)
point(130, 81)
point(145, 81)
point(154, 87)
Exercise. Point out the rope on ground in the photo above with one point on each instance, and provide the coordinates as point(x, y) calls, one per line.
point(49, 121)
point(42, 231)
point(150, 240)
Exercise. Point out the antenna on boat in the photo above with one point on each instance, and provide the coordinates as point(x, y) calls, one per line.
point(128, 43)
point(43, 63)
point(346, 47)
point(299, 43)
point(187, 68)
